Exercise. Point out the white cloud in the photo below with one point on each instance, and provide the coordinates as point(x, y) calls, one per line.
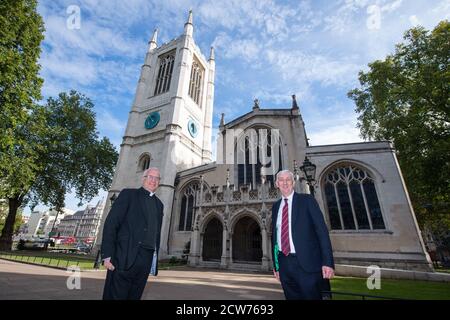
point(265, 18)
point(414, 20)
point(306, 68)
point(392, 6)
point(90, 39)
point(330, 122)
point(238, 15)
point(441, 10)
point(93, 55)
point(344, 133)
point(78, 70)
point(283, 96)
point(266, 97)
point(51, 88)
point(354, 15)
point(233, 108)
point(227, 77)
point(111, 12)
point(107, 122)
point(337, 127)
point(247, 49)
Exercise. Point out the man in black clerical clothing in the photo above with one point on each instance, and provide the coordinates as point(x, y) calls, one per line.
point(131, 237)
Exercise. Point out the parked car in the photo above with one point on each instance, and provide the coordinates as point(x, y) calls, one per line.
point(83, 248)
point(35, 244)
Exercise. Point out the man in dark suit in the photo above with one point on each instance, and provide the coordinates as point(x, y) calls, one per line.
point(131, 238)
point(301, 245)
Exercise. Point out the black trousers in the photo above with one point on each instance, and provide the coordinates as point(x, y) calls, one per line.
point(129, 284)
point(298, 284)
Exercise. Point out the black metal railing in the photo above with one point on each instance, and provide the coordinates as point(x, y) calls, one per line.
point(328, 295)
point(45, 260)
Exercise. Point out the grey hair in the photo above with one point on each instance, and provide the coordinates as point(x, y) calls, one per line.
point(285, 171)
point(150, 169)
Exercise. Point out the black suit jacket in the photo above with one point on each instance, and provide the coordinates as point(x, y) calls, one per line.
point(309, 232)
point(125, 228)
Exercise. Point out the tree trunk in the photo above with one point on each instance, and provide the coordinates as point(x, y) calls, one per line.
point(8, 229)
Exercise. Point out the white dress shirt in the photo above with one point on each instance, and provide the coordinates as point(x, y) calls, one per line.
point(279, 217)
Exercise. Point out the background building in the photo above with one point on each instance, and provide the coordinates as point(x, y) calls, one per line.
point(90, 223)
point(40, 223)
point(69, 225)
point(83, 225)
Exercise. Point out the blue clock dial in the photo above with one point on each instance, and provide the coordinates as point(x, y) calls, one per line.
point(192, 128)
point(152, 120)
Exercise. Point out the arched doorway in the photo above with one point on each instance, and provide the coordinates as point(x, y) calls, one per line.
point(247, 241)
point(212, 240)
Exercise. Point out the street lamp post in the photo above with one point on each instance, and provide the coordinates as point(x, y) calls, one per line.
point(309, 169)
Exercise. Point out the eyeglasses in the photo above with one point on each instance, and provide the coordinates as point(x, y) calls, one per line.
point(152, 178)
point(288, 180)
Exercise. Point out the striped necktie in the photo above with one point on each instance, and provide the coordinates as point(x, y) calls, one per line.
point(285, 244)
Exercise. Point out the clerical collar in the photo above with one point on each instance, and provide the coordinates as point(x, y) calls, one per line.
point(147, 192)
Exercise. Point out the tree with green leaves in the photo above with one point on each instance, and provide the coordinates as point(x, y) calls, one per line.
point(74, 157)
point(21, 33)
point(45, 150)
point(69, 156)
point(405, 98)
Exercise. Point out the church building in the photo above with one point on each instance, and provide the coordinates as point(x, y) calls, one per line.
point(218, 213)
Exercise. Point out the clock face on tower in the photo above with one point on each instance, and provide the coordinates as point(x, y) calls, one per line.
point(152, 120)
point(192, 127)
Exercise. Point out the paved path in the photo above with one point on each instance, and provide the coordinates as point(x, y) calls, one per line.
point(24, 281)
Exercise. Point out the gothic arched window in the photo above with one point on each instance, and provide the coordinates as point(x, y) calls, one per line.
point(166, 63)
point(144, 162)
point(351, 199)
point(187, 210)
point(258, 153)
point(195, 84)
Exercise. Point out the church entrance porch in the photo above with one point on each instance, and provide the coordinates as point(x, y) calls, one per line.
point(212, 241)
point(232, 228)
point(247, 242)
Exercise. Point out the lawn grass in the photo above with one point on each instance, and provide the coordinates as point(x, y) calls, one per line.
point(403, 289)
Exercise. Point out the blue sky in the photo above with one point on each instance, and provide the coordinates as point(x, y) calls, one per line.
point(264, 49)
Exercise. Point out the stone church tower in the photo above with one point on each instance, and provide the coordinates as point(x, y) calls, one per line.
point(170, 120)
